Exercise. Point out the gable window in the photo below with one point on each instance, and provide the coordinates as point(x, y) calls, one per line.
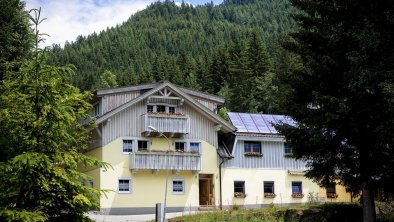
point(296, 187)
point(149, 108)
point(171, 109)
point(142, 145)
point(124, 185)
point(194, 147)
point(160, 108)
point(127, 146)
point(178, 186)
point(269, 187)
point(180, 146)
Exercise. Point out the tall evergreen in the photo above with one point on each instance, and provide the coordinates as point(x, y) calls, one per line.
point(343, 98)
point(15, 35)
point(40, 178)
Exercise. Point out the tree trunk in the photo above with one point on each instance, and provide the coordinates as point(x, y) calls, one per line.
point(369, 214)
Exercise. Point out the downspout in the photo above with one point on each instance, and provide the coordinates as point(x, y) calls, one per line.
point(220, 182)
point(220, 178)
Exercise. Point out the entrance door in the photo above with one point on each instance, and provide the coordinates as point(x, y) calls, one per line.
point(206, 189)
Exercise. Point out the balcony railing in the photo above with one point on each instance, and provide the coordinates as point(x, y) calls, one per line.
point(165, 161)
point(176, 125)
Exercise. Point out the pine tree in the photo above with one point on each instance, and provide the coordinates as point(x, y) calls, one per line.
point(40, 114)
point(343, 97)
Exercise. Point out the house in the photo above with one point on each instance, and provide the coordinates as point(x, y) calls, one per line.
point(147, 131)
point(161, 134)
point(260, 169)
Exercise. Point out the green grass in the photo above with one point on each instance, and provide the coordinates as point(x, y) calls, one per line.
point(250, 215)
point(331, 212)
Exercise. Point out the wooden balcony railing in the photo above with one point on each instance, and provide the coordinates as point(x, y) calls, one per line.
point(165, 161)
point(175, 125)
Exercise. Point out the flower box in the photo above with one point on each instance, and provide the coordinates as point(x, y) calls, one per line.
point(297, 195)
point(254, 154)
point(332, 195)
point(269, 195)
point(166, 114)
point(240, 195)
point(289, 155)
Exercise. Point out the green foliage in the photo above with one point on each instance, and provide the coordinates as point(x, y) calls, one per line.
point(186, 45)
point(40, 118)
point(342, 97)
point(12, 215)
point(107, 80)
point(15, 36)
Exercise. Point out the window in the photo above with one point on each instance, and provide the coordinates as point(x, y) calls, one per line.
point(90, 184)
point(149, 108)
point(296, 187)
point(330, 189)
point(161, 108)
point(288, 149)
point(180, 146)
point(252, 147)
point(124, 185)
point(127, 146)
point(142, 145)
point(269, 187)
point(178, 186)
point(171, 109)
point(195, 147)
point(96, 110)
point(239, 187)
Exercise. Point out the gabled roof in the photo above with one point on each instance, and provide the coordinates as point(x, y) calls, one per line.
point(203, 95)
point(258, 123)
point(225, 126)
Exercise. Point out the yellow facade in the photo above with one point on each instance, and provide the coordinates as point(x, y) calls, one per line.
point(147, 187)
point(254, 186)
point(343, 196)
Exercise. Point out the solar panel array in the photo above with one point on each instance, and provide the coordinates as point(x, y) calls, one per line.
point(258, 123)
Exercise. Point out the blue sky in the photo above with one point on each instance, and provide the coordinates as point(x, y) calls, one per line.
point(66, 19)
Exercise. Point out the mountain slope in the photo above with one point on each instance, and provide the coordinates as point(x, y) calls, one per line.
point(172, 42)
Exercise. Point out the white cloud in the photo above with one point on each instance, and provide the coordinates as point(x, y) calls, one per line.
point(66, 19)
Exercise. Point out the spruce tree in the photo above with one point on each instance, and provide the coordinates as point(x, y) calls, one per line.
point(342, 99)
point(40, 116)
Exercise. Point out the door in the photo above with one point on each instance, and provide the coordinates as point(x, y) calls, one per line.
point(205, 189)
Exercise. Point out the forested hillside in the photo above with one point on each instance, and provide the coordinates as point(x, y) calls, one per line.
point(226, 49)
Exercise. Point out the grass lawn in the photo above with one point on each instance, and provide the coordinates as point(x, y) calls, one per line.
point(314, 213)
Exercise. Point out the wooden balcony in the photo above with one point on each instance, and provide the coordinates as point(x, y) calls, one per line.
point(170, 124)
point(165, 161)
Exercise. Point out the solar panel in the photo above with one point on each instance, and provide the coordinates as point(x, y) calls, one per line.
point(258, 123)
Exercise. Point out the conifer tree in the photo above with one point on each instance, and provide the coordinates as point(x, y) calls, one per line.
point(342, 99)
point(40, 113)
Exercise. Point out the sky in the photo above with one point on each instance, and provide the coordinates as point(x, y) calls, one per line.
point(66, 19)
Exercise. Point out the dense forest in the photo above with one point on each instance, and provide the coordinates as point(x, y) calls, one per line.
point(227, 49)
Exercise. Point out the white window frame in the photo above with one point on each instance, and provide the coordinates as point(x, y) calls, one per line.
point(181, 141)
point(188, 141)
point(199, 146)
point(145, 140)
point(183, 186)
point(130, 185)
point(133, 145)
